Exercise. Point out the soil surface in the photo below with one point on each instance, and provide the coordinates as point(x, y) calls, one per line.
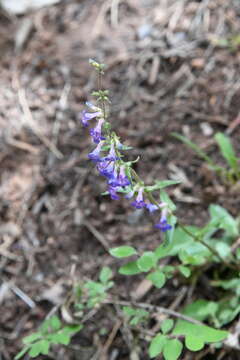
point(172, 66)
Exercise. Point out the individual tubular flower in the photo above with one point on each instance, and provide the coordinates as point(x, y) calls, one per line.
point(92, 106)
point(86, 116)
point(95, 154)
point(139, 203)
point(106, 168)
point(113, 193)
point(119, 178)
point(123, 179)
point(163, 225)
point(112, 156)
point(151, 207)
point(96, 133)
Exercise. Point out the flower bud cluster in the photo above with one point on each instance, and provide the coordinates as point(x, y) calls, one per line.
point(109, 163)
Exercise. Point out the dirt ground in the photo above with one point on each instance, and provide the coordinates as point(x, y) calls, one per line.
point(171, 66)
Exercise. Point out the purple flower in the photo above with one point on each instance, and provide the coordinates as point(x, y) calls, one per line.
point(139, 203)
point(113, 193)
point(96, 133)
point(112, 154)
point(163, 225)
point(106, 168)
point(119, 179)
point(92, 107)
point(151, 207)
point(95, 154)
point(86, 116)
point(130, 194)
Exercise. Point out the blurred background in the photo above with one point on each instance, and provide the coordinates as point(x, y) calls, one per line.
point(171, 65)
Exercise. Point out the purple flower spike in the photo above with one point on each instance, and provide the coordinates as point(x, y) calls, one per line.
point(151, 207)
point(95, 154)
point(106, 168)
point(112, 154)
point(86, 116)
point(139, 203)
point(96, 133)
point(113, 193)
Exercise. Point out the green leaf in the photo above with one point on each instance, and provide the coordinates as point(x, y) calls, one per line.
point(201, 309)
point(184, 270)
point(227, 150)
point(129, 311)
point(31, 338)
point(55, 323)
point(72, 329)
point(203, 332)
point(161, 184)
point(130, 268)
point(194, 147)
point(21, 353)
point(172, 349)
point(105, 274)
point(40, 347)
point(226, 221)
point(156, 345)
point(193, 343)
point(123, 251)
point(147, 261)
point(157, 278)
point(167, 325)
point(61, 338)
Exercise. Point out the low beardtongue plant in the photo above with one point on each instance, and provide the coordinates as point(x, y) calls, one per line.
point(188, 253)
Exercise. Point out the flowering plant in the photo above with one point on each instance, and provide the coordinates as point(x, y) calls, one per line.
point(190, 250)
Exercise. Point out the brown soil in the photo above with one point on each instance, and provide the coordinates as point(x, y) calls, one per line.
point(166, 73)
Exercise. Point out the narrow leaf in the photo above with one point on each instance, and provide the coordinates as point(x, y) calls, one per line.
point(227, 150)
